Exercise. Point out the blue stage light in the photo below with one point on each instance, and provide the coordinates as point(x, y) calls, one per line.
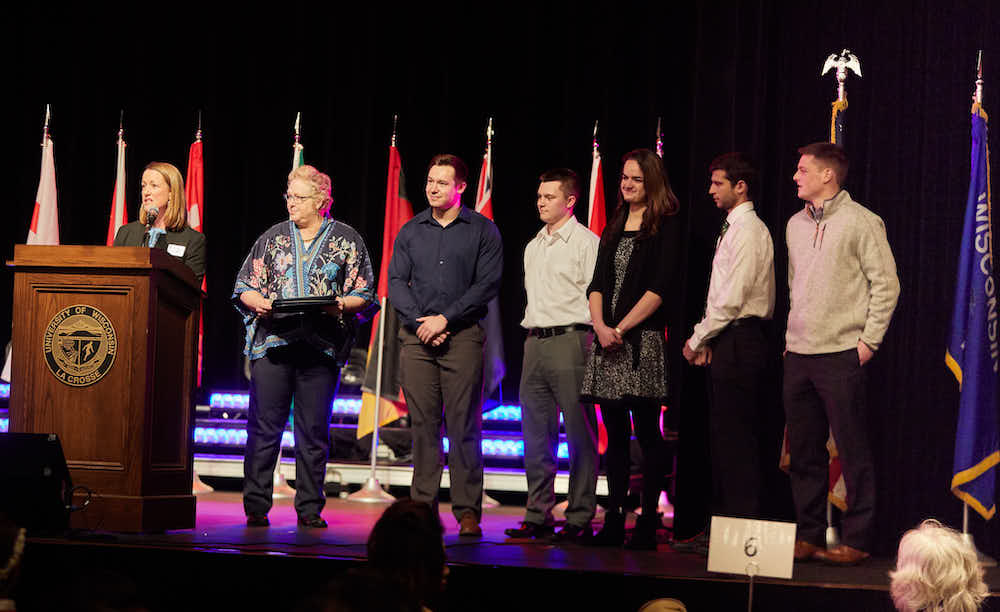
point(347, 406)
point(4, 424)
point(4, 390)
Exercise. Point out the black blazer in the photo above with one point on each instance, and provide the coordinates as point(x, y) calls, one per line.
point(652, 267)
point(189, 241)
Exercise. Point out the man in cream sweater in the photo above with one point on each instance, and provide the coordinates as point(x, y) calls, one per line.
point(844, 288)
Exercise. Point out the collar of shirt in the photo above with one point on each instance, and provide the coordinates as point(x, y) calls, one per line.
point(738, 211)
point(428, 216)
point(830, 205)
point(563, 233)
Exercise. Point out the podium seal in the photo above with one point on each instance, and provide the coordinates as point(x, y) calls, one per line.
point(80, 345)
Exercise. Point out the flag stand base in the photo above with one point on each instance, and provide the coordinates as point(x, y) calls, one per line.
point(371, 493)
point(832, 537)
point(198, 486)
point(279, 486)
point(489, 502)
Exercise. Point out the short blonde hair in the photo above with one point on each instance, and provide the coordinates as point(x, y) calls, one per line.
point(320, 183)
point(175, 217)
point(936, 570)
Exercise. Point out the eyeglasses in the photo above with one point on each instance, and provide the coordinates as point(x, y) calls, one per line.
point(291, 197)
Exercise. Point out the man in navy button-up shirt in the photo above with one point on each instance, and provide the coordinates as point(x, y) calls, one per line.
point(446, 267)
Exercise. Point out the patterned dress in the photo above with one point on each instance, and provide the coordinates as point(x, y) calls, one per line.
point(280, 265)
point(619, 374)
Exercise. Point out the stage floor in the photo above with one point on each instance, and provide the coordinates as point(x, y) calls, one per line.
point(479, 567)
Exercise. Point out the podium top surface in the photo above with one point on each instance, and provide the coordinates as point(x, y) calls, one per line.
point(100, 257)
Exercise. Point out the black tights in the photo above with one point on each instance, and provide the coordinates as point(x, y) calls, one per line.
point(646, 419)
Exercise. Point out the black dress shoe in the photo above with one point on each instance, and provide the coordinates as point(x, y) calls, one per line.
point(529, 530)
point(573, 534)
point(255, 519)
point(697, 545)
point(314, 521)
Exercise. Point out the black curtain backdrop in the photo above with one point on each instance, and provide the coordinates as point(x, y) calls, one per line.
point(723, 76)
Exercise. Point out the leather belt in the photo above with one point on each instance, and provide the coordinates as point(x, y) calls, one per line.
point(548, 332)
point(746, 321)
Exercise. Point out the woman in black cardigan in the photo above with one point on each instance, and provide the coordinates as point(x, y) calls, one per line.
point(627, 369)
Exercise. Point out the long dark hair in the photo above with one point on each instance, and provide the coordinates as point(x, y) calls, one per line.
point(660, 198)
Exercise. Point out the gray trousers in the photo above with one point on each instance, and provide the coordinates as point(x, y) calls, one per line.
point(551, 379)
point(447, 380)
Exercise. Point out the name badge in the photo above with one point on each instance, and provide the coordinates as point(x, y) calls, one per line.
point(177, 250)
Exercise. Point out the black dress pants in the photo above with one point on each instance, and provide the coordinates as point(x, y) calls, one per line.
point(446, 381)
point(307, 375)
point(739, 361)
point(823, 393)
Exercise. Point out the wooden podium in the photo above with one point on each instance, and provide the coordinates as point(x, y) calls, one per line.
point(104, 355)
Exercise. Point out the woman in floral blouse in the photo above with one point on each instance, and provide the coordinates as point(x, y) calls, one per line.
point(299, 355)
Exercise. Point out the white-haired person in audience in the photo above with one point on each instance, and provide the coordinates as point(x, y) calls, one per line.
point(936, 570)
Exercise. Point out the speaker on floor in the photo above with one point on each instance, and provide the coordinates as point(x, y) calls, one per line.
point(35, 486)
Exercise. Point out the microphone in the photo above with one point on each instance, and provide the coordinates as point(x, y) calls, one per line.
point(151, 214)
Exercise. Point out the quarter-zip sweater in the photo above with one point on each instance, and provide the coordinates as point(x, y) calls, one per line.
point(841, 278)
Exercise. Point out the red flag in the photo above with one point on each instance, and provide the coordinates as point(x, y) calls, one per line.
point(398, 211)
point(596, 212)
point(596, 220)
point(44, 228)
point(119, 213)
point(194, 194)
point(494, 367)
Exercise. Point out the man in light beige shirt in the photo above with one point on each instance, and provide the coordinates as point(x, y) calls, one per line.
point(558, 266)
point(731, 338)
point(843, 289)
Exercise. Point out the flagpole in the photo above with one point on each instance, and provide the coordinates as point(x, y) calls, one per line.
point(372, 491)
point(45, 128)
point(198, 486)
point(984, 559)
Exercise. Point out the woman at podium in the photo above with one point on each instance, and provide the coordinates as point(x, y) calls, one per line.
point(162, 220)
point(303, 290)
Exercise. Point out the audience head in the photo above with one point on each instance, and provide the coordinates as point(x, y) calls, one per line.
point(12, 539)
point(936, 570)
point(406, 544)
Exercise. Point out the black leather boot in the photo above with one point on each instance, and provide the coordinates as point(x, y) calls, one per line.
point(644, 534)
point(613, 531)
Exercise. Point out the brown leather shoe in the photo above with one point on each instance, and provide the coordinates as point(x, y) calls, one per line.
point(805, 551)
point(842, 554)
point(468, 526)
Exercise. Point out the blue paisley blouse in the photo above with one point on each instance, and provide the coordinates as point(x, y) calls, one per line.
point(281, 266)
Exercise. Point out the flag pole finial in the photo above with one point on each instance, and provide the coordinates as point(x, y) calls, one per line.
point(121, 124)
point(595, 136)
point(395, 119)
point(489, 133)
point(659, 137)
point(45, 127)
point(844, 62)
point(197, 134)
point(979, 79)
point(298, 118)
